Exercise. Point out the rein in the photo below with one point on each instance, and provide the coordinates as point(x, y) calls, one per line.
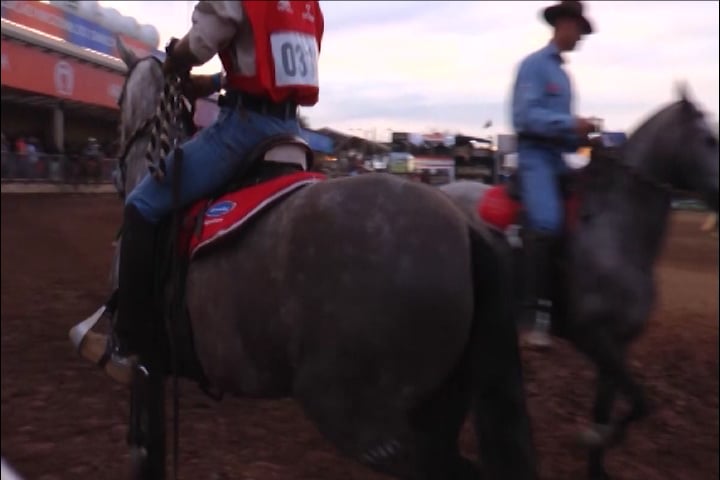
point(171, 116)
point(168, 116)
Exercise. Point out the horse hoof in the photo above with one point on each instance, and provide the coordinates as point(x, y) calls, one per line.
point(596, 436)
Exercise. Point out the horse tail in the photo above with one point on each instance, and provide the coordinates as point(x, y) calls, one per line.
point(502, 423)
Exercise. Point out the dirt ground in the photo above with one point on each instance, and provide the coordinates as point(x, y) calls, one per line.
point(62, 419)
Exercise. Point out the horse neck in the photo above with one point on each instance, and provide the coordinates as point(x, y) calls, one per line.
point(137, 157)
point(633, 216)
point(647, 211)
point(136, 164)
point(644, 192)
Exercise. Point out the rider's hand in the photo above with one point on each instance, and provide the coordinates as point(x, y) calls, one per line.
point(170, 67)
point(584, 127)
point(191, 87)
point(200, 86)
point(178, 59)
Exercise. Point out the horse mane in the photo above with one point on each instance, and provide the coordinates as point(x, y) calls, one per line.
point(660, 118)
point(639, 142)
point(141, 95)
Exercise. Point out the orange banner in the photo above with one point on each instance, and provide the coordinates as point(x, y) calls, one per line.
point(30, 69)
point(40, 16)
point(69, 27)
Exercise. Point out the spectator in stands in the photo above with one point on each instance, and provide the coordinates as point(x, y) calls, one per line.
point(32, 157)
point(6, 160)
point(92, 156)
point(20, 146)
point(357, 166)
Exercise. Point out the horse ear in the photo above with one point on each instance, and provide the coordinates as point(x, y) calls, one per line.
point(682, 90)
point(126, 55)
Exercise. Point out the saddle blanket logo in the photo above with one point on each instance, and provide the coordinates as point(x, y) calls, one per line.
point(230, 212)
point(220, 209)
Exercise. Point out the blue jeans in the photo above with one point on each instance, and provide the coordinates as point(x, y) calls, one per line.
point(210, 160)
point(539, 169)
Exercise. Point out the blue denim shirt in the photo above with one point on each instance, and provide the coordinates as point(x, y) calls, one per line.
point(542, 98)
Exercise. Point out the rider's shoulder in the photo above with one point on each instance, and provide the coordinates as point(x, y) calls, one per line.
point(535, 59)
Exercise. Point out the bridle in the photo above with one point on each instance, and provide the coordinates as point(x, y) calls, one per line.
point(174, 111)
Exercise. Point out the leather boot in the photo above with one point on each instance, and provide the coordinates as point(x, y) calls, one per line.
point(117, 354)
point(539, 250)
point(136, 279)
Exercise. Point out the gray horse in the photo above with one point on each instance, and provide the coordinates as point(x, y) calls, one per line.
point(374, 302)
point(625, 206)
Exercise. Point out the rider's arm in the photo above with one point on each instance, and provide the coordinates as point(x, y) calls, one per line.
point(206, 85)
point(215, 24)
point(530, 115)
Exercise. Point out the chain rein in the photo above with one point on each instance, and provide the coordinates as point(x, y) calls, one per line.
point(165, 126)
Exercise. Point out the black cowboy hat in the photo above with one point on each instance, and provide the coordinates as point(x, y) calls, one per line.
point(568, 9)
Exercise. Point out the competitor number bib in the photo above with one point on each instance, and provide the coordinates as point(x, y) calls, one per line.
point(295, 56)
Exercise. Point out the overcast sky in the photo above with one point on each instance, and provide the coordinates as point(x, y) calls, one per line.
point(420, 66)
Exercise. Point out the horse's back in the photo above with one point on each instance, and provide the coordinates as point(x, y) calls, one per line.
point(368, 270)
point(466, 194)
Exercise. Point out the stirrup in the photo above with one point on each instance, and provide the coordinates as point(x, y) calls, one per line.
point(100, 350)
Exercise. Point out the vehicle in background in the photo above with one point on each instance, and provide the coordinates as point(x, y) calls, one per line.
point(399, 162)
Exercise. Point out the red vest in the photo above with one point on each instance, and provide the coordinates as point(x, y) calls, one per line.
point(287, 36)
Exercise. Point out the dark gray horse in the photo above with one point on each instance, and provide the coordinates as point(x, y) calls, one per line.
point(625, 206)
point(374, 302)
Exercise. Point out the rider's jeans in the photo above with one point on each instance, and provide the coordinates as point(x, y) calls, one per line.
point(210, 160)
point(539, 169)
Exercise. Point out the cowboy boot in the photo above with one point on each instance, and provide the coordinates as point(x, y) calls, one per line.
point(539, 249)
point(117, 354)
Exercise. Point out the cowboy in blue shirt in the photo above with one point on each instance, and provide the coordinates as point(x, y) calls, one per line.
point(546, 128)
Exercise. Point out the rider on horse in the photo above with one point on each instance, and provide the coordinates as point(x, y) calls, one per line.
point(546, 128)
point(269, 51)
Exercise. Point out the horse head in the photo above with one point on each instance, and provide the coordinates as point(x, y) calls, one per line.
point(677, 147)
point(141, 96)
point(697, 166)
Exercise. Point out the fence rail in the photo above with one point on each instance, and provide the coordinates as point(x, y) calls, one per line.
point(62, 169)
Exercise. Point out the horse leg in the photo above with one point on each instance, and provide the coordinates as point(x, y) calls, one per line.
point(610, 360)
point(639, 408)
point(418, 443)
point(602, 410)
point(436, 425)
